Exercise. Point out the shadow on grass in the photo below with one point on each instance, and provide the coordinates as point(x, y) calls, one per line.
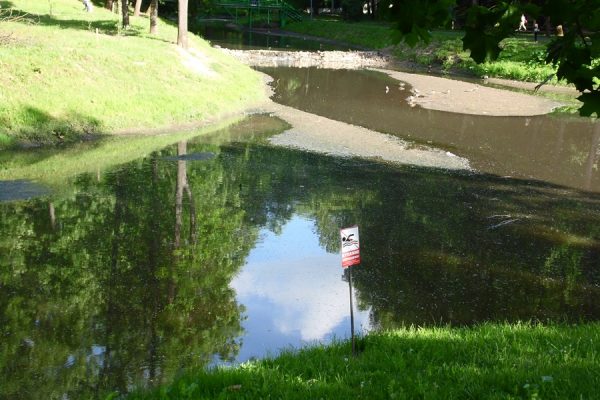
point(6, 4)
point(40, 127)
point(104, 26)
point(107, 26)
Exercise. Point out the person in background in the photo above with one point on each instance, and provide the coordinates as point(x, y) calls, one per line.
point(523, 24)
point(536, 30)
point(88, 5)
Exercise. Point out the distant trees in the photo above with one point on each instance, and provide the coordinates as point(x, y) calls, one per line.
point(576, 54)
point(487, 22)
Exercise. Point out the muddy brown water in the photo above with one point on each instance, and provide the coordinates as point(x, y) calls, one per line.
point(558, 150)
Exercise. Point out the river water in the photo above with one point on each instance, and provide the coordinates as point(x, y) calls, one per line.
point(223, 248)
point(243, 39)
point(561, 150)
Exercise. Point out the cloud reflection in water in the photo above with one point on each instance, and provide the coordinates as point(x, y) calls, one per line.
point(293, 293)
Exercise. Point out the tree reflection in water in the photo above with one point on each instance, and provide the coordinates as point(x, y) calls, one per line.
point(124, 279)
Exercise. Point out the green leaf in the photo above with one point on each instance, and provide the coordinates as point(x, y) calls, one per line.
point(414, 18)
point(482, 47)
point(411, 39)
point(591, 104)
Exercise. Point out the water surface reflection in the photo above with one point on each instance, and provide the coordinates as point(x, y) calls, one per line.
point(293, 292)
point(20, 189)
point(240, 39)
point(166, 263)
point(561, 150)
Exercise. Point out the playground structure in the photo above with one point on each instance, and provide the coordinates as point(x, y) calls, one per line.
point(256, 9)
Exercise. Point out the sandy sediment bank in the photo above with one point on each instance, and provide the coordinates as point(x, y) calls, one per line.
point(305, 59)
point(323, 135)
point(451, 95)
point(429, 92)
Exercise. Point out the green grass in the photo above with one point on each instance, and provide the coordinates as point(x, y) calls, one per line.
point(490, 361)
point(66, 72)
point(521, 59)
point(366, 34)
point(56, 167)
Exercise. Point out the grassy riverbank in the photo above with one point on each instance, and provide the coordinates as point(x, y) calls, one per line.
point(521, 58)
point(489, 361)
point(57, 167)
point(68, 73)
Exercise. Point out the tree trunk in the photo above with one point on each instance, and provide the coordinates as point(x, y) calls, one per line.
point(108, 4)
point(138, 6)
point(548, 26)
point(153, 281)
point(592, 157)
point(111, 319)
point(153, 11)
point(179, 189)
point(125, 13)
point(182, 40)
point(193, 233)
point(52, 215)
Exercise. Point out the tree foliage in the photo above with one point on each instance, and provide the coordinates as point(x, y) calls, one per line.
point(576, 54)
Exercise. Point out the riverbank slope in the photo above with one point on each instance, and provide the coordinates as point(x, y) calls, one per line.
point(68, 74)
point(521, 58)
point(521, 64)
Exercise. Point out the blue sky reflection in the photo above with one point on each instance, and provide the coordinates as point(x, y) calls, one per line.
point(293, 293)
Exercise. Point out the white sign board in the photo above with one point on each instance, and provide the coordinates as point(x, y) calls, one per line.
point(350, 246)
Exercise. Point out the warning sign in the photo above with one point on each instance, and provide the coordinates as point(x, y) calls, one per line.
point(350, 246)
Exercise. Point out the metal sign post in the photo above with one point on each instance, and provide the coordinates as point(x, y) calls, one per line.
point(350, 257)
point(351, 312)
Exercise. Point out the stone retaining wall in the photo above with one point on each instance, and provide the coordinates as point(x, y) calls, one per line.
point(303, 59)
